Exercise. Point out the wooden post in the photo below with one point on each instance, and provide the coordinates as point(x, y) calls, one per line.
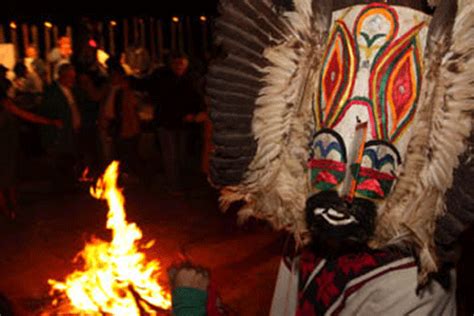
point(174, 23)
point(152, 39)
point(47, 39)
point(25, 35)
point(181, 36)
point(159, 30)
point(69, 33)
point(112, 25)
point(204, 33)
point(189, 34)
point(135, 32)
point(47, 48)
point(2, 34)
point(126, 42)
point(14, 38)
point(35, 37)
point(100, 29)
point(55, 34)
point(142, 33)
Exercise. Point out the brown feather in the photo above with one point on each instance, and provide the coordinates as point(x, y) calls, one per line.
point(443, 124)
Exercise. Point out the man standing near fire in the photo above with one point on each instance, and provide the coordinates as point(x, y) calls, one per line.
point(177, 102)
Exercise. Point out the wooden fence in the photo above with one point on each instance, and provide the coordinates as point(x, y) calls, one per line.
point(189, 34)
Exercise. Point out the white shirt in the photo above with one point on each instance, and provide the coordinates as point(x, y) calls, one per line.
point(76, 116)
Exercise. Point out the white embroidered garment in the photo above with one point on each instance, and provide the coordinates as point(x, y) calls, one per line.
point(387, 290)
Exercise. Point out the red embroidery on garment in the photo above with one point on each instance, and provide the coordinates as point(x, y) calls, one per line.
point(306, 309)
point(333, 280)
point(308, 262)
point(348, 292)
point(356, 263)
point(327, 289)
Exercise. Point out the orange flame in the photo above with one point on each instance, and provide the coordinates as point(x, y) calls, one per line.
point(116, 278)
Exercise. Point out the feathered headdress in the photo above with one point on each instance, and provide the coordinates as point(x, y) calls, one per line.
point(262, 90)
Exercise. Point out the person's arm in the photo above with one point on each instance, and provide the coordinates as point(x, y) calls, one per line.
point(189, 291)
point(28, 116)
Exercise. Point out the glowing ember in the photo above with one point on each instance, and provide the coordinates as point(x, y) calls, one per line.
point(85, 176)
point(116, 279)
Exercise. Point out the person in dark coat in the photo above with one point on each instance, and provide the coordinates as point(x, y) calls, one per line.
point(61, 145)
point(177, 101)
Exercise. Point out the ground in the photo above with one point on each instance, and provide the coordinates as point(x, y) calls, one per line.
point(50, 230)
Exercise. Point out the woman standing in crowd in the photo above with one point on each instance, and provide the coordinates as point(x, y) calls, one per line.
point(119, 123)
point(9, 144)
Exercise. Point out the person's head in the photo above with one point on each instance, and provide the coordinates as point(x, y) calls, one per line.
point(65, 46)
point(31, 52)
point(67, 75)
point(179, 64)
point(20, 70)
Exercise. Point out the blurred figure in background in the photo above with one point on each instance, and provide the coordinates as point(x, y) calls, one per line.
point(27, 86)
point(27, 94)
point(35, 64)
point(61, 145)
point(124, 63)
point(9, 147)
point(61, 54)
point(137, 60)
point(177, 100)
point(119, 123)
point(5, 82)
point(90, 91)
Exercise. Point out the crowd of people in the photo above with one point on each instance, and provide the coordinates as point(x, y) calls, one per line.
point(90, 113)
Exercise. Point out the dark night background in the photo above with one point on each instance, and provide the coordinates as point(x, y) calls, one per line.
point(67, 10)
point(79, 13)
point(71, 12)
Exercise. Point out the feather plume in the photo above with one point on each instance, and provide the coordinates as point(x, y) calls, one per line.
point(443, 124)
point(270, 70)
point(262, 122)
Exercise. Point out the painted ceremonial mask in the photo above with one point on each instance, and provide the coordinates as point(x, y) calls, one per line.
point(338, 120)
point(363, 107)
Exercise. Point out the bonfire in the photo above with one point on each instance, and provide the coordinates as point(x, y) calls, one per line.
point(115, 277)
